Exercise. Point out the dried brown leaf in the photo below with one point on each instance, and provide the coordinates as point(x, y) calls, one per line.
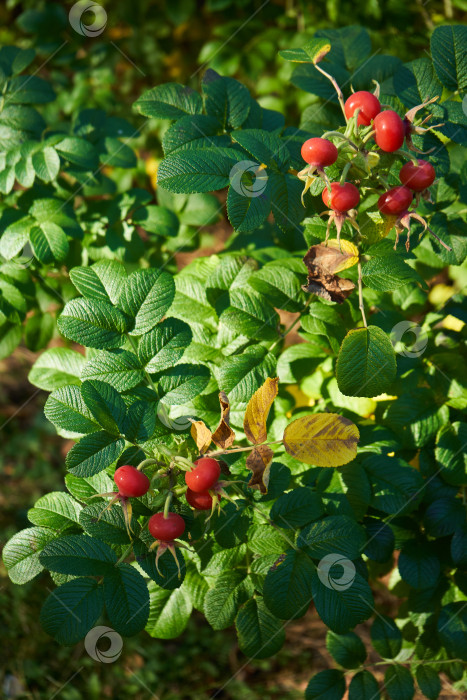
point(201, 435)
point(224, 436)
point(259, 461)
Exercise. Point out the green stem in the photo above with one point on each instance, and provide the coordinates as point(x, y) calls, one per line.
point(360, 294)
point(344, 172)
point(125, 554)
point(239, 449)
point(292, 325)
point(146, 463)
point(167, 503)
point(340, 96)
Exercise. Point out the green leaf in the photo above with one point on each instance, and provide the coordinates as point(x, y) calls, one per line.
point(168, 577)
point(342, 600)
point(102, 282)
point(96, 325)
point(428, 681)
point(266, 148)
point(386, 637)
point(15, 236)
point(398, 683)
point(78, 152)
point(182, 383)
point(198, 170)
point(83, 488)
point(241, 375)
point(452, 629)
point(157, 219)
point(164, 346)
point(248, 207)
point(66, 409)
point(397, 487)
point(280, 281)
point(106, 525)
point(78, 555)
point(347, 649)
point(364, 686)
point(312, 52)
point(366, 365)
point(285, 192)
point(459, 546)
point(93, 453)
point(72, 610)
point(287, 587)
point(46, 163)
point(336, 534)
point(416, 417)
point(225, 98)
point(449, 56)
point(56, 510)
point(57, 367)
point(21, 553)
point(49, 242)
point(10, 338)
point(297, 508)
point(416, 82)
point(116, 154)
point(250, 314)
point(29, 89)
point(140, 421)
point(222, 602)
point(105, 404)
point(444, 516)
point(169, 611)
point(387, 273)
point(450, 454)
point(169, 101)
point(120, 368)
point(200, 210)
point(126, 600)
point(326, 685)
point(146, 297)
point(260, 634)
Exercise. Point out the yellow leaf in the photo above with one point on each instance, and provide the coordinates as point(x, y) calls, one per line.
point(224, 436)
point(259, 461)
point(323, 440)
point(258, 409)
point(201, 435)
point(347, 247)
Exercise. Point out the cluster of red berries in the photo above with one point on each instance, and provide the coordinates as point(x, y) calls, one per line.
point(203, 484)
point(389, 132)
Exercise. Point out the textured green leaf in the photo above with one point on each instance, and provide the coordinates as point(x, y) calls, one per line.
point(168, 577)
point(250, 314)
point(102, 282)
point(57, 367)
point(169, 101)
point(140, 421)
point(364, 686)
point(326, 685)
point(397, 487)
point(428, 681)
point(336, 534)
point(105, 404)
point(450, 453)
point(398, 683)
point(66, 409)
point(96, 325)
point(157, 219)
point(49, 242)
point(266, 148)
point(260, 634)
point(169, 611)
point(341, 602)
point(106, 525)
point(46, 163)
point(248, 205)
point(386, 637)
point(347, 649)
point(79, 555)
point(56, 510)
point(287, 587)
point(416, 417)
point(366, 365)
point(72, 610)
point(416, 82)
point(194, 131)
point(225, 98)
point(285, 192)
point(297, 508)
point(223, 601)
point(126, 600)
point(164, 346)
point(83, 488)
point(146, 297)
point(120, 368)
point(182, 383)
point(78, 152)
point(387, 273)
point(93, 453)
point(198, 170)
point(452, 629)
point(449, 55)
point(21, 553)
point(241, 375)
point(444, 516)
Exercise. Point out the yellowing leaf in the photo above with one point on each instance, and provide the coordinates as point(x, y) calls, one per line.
point(349, 249)
point(259, 461)
point(323, 440)
point(201, 435)
point(224, 436)
point(258, 409)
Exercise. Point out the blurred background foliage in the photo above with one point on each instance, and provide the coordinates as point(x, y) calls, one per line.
point(145, 43)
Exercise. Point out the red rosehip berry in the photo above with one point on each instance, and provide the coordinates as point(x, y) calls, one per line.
point(199, 501)
point(389, 130)
point(417, 177)
point(166, 529)
point(368, 105)
point(131, 482)
point(207, 471)
point(319, 152)
point(342, 197)
point(395, 201)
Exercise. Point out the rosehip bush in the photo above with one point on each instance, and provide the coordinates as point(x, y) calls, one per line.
point(255, 476)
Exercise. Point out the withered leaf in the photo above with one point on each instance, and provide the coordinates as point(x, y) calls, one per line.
point(322, 262)
point(333, 257)
point(259, 461)
point(201, 435)
point(257, 411)
point(224, 436)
